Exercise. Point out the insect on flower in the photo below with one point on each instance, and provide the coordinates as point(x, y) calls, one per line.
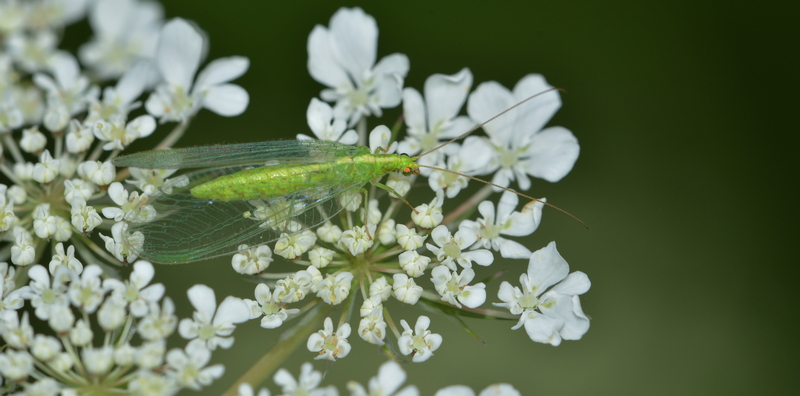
point(253, 193)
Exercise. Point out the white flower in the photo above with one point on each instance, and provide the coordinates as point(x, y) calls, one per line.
point(408, 238)
point(123, 246)
point(100, 173)
point(268, 305)
point(16, 365)
point(150, 355)
point(119, 100)
point(358, 239)
point(181, 48)
point(471, 158)
point(330, 344)
point(293, 246)
point(369, 304)
point(152, 180)
point(295, 287)
point(329, 232)
point(211, 325)
point(7, 216)
point(68, 88)
point(42, 295)
point(548, 315)
point(124, 32)
point(132, 206)
point(188, 366)
point(98, 360)
point(429, 215)
point(32, 52)
point(386, 232)
point(449, 248)
point(118, 134)
point(44, 386)
point(491, 390)
point(325, 127)
point(435, 118)
point(343, 58)
point(380, 287)
point(246, 389)
point(306, 384)
point(380, 142)
point(137, 292)
point(405, 289)
point(45, 347)
point(50, 14)
point(87, 291)
point(454, 288)
point(112, 313)
point(420, 341)
point(335, 288)
point(81, 334)
point(413, 263)
point(17, 333)
point(505, 222)
point(521, 146)
point(387, 383)
point(400, 183)
point(124, 354)
point(84, 218)
point(320, 257)
point(146, 382)
point(62, 319)
point(46, 169)
point(22, 251)
point(65, 258)
point(44, 224)
point(252, 260)
point(10, 299)
point(159, 323)
point(78, 188)
point(372, 327)
point(32, 141)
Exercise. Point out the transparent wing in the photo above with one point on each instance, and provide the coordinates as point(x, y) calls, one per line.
point(261, 153)
point(186, 228)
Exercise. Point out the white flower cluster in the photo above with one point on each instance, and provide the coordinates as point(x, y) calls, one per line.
point(386, 259)
point(59, 132)
point(129, 352)
point(388, 382)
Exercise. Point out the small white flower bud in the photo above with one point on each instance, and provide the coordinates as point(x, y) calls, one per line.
point(32, 140)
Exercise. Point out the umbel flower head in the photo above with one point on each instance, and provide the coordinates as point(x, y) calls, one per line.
point(360, 244)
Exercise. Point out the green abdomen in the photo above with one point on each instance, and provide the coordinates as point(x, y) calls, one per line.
point(276, 181)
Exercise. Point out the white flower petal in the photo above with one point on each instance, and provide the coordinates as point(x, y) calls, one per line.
point(533, 115)
point(203, 300)
point(180, 50)
point(354, 35)
point(232, 310)
point(414, 110)
point(226, 100)
point(222, 70)
point(321, 59)
point(553, 152)
point(445, 95)
point(488, 100)
point(546, 267)
point(575, 283)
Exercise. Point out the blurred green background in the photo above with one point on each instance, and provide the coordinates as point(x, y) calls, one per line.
point(686, 115)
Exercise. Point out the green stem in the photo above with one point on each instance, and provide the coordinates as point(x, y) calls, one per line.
point(287, 343)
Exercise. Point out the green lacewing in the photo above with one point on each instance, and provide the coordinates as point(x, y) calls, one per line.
point(252, 193)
